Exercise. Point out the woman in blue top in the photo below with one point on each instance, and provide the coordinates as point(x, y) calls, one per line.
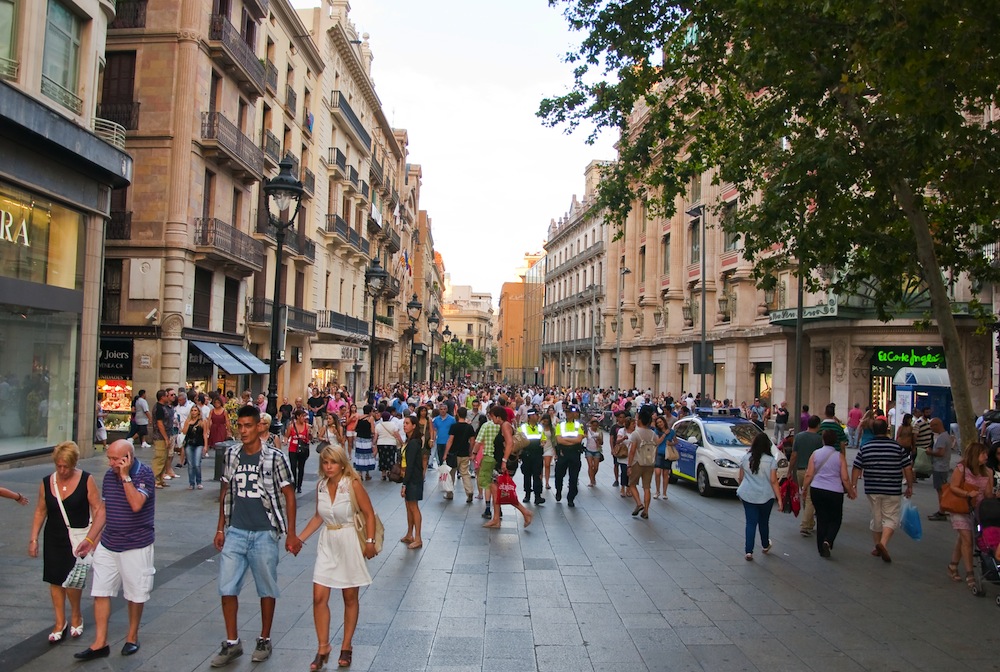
point(758, 489)
point(826, 480)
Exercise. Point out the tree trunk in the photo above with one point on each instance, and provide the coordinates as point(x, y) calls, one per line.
point(940, 309)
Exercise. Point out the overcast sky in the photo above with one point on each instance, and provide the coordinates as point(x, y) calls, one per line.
point(464, 78)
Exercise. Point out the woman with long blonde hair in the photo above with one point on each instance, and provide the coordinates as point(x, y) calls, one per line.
point(340, 559)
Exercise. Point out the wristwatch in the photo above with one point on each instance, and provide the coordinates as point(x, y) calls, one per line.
point(369, 541)
point(127, 479)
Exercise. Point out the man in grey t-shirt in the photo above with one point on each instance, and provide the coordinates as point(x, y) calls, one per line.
point(805, 444)
point(940, 452)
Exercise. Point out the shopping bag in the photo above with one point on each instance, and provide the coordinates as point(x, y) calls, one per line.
point(507, 490)
point(911, 520)
point(790, 499)
point(444, 478)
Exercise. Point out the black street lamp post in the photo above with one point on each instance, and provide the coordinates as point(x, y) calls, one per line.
point(375, 277)
point(456, 345)
point(445, 339)
point(413, 309)
point(285, 191)
point(698, 212)
point(433, 322)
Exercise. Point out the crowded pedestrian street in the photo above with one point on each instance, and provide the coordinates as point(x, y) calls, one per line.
point(586, 588)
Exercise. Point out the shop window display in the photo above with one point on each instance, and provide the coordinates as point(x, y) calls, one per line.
point(115, 397)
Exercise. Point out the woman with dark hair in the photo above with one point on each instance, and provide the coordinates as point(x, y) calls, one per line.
point(297, 435)
point(971, 479)
point(388, 440)
point(413, 482)
point(904, 435)
point(364, 456)
point(826, 480)
point(425, 435)
point(758, 489)
point(503, 444)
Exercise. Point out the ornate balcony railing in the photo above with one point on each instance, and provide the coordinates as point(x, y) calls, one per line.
point(125, 115)
point(272, 147)
point(215, 126)
point(338, 159)
point(338, 102)
point(299, 319)
point(336, 224)
point(291, 98)
point(129, 14)
point(119, 225)
point(353, 175)
point(235, 50)
point(228, 242)
point(271, 76)
point(309, 181)
point(364, 189)
point(332, 320)
point(376, 172)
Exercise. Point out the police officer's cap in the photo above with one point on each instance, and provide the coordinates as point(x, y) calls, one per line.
point(573, 409)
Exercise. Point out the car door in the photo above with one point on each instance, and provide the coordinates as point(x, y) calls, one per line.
point(687, 433)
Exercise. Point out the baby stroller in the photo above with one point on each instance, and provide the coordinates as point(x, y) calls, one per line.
point(984, 546)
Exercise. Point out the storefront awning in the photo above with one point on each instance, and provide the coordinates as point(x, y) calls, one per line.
point(922, 377)
point(248, 359)
point(222, 358)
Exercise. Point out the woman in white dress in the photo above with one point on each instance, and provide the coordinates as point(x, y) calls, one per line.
point(340, 559)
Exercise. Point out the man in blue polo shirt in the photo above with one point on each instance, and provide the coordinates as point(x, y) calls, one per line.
point(124, 557)
point(441, 431)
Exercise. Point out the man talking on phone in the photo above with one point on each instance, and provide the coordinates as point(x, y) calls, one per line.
point(122, 533)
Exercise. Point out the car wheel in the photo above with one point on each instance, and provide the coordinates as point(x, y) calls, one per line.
point(704, 487)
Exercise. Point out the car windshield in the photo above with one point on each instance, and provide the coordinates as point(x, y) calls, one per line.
point(731, 434)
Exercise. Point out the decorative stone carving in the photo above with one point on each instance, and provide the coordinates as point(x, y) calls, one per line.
point(977, 363)
point(839, 360)
point(172, 326)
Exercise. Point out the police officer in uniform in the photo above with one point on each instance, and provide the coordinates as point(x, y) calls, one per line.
point(531, 458)
point(570, 435)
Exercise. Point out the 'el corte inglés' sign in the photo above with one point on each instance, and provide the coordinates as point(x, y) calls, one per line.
point(887, 361)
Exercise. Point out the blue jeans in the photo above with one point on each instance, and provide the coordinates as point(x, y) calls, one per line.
point(194, 454)
point(256, 550)
point(758, 516)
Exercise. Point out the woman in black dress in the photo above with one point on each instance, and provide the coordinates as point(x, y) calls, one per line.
point(413, 482)
point(81, 500)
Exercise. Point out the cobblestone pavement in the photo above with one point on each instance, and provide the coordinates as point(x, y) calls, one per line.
point(581, 589)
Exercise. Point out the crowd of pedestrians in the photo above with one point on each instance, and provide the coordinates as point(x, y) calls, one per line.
point(477, 436)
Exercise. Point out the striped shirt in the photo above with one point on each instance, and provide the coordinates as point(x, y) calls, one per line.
point(882, 460)
point(125, 529)
point(273, 474)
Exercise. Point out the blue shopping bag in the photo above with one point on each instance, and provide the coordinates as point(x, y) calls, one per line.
point(911, 520)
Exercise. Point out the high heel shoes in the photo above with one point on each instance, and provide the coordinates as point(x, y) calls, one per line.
point(75, 631)
point(319, 662)
point(57, 636)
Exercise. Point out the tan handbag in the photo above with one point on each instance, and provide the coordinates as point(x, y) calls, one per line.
point(360, 523)
point(951, 502)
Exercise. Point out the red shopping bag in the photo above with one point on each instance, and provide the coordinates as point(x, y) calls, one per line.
point(506, 488)
point(791, 502)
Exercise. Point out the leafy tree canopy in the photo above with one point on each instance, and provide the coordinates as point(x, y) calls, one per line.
point(862, 134)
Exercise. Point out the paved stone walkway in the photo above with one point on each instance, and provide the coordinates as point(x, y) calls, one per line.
point(588, 588)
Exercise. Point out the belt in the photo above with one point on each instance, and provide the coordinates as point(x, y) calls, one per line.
point(336, 527)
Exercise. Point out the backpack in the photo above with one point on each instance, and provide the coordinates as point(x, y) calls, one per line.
point(645, 454)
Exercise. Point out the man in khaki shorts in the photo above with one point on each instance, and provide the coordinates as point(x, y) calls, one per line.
point(641, 461)
point(884, 464)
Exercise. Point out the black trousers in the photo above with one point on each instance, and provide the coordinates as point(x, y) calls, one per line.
point(298, 464)
point(829, 507)
point(568, 461)
point(531, 467)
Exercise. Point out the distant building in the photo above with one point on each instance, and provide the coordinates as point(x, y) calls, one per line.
point(468, 317)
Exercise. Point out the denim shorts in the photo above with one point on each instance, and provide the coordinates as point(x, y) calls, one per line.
point(256, 550)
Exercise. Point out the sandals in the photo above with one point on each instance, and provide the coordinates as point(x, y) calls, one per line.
point(407, 540)
point(970, 581)
point(56, 636)
point(76, 631)
point(636, 510)
point(345, 658)
point(319, 662)
point(413, 545)
point(953, 571)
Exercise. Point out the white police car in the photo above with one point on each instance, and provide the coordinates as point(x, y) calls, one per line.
point(710, 445)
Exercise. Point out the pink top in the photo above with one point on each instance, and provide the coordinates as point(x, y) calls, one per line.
point(854, 417)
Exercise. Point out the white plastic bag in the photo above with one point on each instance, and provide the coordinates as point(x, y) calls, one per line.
point(444, 478)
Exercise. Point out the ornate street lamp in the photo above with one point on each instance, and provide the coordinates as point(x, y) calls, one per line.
point(284, 191)
point(445, 338)
point(433, 322)
point(375, 279)
point(413, 309)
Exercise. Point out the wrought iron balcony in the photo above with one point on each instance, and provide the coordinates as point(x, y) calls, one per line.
point(295, 162)
point(218, 241)
point(309, 181)
point(341, 108)
point(119, 226)
point(331, 320)
point(365, 247)
point(374, 227)
point(229, 147)
point(129, 14)
point(227, 46)
point(375, 172)
point(125, 115)
point(337, 162)
point(272, 148)
point(352, 174)
point(355, 239)
point(392, 287)
point(291, 98)
point(257, 8)
point(298, 318)
point(271, 77)
point(392, 240)
point(336, 225)
point(364, 189)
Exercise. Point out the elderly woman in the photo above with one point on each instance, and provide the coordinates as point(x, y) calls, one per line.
point(68, 494)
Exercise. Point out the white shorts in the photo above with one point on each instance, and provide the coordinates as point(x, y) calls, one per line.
point(129, 571)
